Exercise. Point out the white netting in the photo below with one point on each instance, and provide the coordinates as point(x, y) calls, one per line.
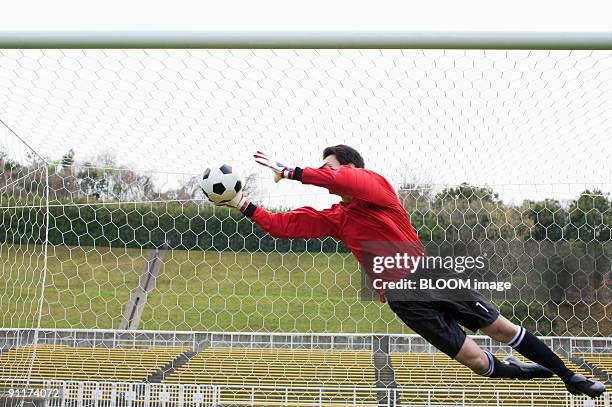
point(529, 131)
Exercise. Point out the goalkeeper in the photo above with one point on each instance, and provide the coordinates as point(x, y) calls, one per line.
point(370, 211)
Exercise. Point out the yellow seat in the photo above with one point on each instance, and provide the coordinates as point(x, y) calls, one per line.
point(61, 362)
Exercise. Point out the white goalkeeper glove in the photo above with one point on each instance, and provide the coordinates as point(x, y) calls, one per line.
point(280, 170)
point(239, 202)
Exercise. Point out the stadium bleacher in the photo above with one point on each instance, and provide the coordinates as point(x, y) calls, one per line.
point(600, 361)
point(61, 362)
point(260, 376)
point(243, 367)
point(438, 371)
point(292, 367)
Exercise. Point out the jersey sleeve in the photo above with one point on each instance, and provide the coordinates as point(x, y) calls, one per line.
point(348, 180)
point(305, 222)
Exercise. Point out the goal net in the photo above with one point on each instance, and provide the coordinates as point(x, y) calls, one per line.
point(504, 154)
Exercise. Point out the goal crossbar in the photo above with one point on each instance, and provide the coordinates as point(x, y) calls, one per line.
point(574, 40)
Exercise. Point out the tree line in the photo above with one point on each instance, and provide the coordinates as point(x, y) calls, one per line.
point(99, 202)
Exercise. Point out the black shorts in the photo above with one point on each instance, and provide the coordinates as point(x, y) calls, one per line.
point(439, 322)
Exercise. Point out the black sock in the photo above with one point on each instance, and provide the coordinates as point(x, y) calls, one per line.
point(534, 349)
point(501, 370)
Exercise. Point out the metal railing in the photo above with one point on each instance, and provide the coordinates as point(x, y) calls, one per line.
point(198, 340)
point(121, 394)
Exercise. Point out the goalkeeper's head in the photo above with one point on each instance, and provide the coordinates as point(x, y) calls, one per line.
point(335, 156)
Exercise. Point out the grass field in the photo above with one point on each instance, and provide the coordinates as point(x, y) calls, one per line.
point(88, 287)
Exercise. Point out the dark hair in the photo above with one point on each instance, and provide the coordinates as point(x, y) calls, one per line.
point(345, 155)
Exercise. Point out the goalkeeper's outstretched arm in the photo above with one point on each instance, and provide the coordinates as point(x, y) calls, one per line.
point(301, 223)
point(346, 181)
point(307, 222)
point(350, 181)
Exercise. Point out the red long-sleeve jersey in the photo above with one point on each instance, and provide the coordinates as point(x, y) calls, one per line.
point(374, 214)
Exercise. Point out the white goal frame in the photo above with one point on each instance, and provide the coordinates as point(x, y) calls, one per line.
point(576, 40)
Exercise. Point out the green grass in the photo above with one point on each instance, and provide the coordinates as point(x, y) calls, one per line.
point(88, 287)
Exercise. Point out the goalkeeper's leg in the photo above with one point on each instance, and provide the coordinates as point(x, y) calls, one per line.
point(438, 323)
point(534, 349)
point(477, 313)
point(486, 364)
point(435, 322)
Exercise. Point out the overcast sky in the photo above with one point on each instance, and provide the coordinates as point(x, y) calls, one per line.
point(531, 124)
point(312, 14)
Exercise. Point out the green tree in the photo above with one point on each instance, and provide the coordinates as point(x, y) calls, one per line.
point(93, 181)
point(67, 160)
point(466, 212)
point(6, 163)
point(417, 200)
point(590, 217)
point(548, 219)
point(467, 192)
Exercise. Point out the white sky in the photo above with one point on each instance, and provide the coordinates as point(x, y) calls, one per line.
point(305, 15)
point(529, 124)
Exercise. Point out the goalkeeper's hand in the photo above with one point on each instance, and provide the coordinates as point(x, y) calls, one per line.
point(239, 202)
point(280, 170)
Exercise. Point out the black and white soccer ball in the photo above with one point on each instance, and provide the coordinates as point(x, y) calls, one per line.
point(220, 183)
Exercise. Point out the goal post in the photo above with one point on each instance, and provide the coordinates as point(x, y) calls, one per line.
point(535, 40)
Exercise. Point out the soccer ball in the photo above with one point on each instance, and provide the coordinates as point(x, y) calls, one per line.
point(220, 183)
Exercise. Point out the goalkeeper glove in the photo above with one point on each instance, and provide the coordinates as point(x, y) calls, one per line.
point(280, 170)
point(236, 202)
point(240, 202)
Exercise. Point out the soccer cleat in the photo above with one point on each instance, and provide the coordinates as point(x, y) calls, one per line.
point(579, 384)
point(528, 370)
